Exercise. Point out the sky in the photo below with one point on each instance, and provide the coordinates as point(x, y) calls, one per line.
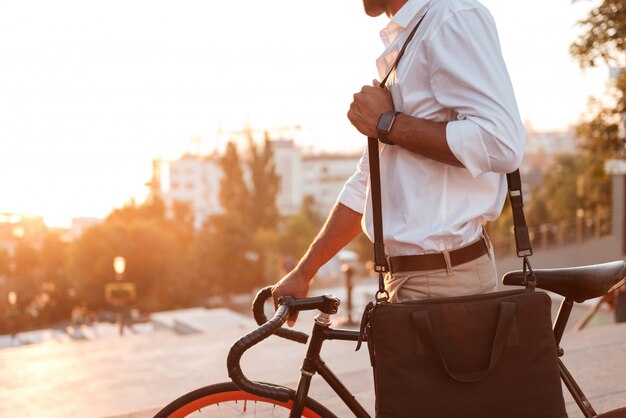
point(91, 92)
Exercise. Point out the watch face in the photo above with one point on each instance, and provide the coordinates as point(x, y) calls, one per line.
point(385, 122)
point(388, 118)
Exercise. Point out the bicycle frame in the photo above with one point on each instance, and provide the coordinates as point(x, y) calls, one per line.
point(313, 363)
point(596, 280)
point(559, 328)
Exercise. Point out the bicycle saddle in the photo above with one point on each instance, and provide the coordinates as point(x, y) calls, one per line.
point(577, 283)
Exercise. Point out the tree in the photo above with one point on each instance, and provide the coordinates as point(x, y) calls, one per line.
point(237, 246)
point(578, 181)
point(160, 253)
point(601, 141)
point(27, 278)
point(54, 256)
point(5, 262)
point(234, 195)
point(604, 36)
point(560, 195)
point(230, 258)
point(265, 185)
point(297, 235)
point(600, 134)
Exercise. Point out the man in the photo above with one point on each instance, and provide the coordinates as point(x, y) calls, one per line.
point(457, 134)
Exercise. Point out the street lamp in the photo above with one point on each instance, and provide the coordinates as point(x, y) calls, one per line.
point(580, 214)
point(120, 294)
point(119, 265)
point(12, 315)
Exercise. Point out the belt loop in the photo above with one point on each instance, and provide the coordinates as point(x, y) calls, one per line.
point(446, 256)
point(388, 258)
point(487, 242)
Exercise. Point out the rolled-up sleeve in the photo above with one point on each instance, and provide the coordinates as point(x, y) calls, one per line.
point(354, 192)
point(469, 76)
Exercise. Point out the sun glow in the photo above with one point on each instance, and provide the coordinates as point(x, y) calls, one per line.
point(84, 109)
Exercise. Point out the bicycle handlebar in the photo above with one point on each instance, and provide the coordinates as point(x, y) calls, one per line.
point(286, 305)
point(247, 341)
point(260, 318)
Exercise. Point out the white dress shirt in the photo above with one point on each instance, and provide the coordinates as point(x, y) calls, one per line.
point(453, 71)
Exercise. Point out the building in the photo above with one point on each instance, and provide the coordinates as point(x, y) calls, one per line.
point(541, 149)
point(324, 177)
point(550, 143)
point(196, 180)
point(15, 227)
point(80, 225)
point(288, 159)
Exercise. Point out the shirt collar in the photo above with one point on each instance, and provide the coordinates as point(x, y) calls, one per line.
point(401, 20)
point(410, 10)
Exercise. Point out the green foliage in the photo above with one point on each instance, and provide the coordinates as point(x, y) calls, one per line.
point(230, 256)
point(578, 182)
point(265, 186)
point(363, 247)
point(160, 256)
point(234, 194)
point(5, 262)
point(238, 248)
point(604, 37)
point(171, 264)
point(297, 235)
point(37, 273)
point(500, 231)
point(560, 194)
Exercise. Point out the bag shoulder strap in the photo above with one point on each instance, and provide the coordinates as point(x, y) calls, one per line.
point(380, 260)
point(520, 229)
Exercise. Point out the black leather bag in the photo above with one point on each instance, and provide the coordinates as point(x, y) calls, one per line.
point(488, 355)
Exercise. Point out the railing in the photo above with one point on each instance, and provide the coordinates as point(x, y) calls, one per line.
point(555, 235)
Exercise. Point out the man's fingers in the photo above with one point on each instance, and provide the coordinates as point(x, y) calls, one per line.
point(376, 83)
point(292, 320)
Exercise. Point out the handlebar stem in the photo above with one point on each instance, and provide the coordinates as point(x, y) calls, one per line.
point(323, 319)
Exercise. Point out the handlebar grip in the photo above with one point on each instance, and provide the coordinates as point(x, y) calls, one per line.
point(259, 302)
point(260, 318)
point(247, 341)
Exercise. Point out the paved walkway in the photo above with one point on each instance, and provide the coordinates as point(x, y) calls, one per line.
point(135, 375)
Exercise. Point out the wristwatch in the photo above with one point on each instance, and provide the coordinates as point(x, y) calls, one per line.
point(383, 127)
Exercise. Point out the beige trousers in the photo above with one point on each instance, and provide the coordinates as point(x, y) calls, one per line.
point(473, 277)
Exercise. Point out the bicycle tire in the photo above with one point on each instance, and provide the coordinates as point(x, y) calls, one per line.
point(226, 398)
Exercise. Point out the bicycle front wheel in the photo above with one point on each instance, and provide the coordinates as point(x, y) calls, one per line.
point(226, 400)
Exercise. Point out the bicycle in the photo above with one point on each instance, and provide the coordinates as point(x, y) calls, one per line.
point(575, 284)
